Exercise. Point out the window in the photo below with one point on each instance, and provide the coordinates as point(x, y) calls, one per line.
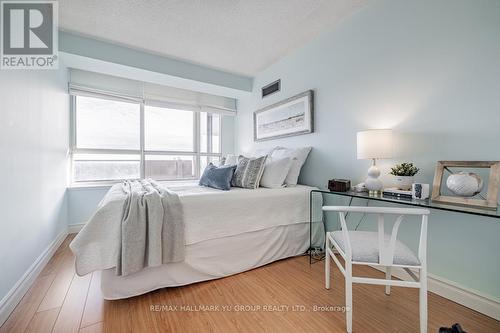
point(168, 129)
point(107, 124)
point(119, 139)
point(209, 133)
point(96, 167)
point(210, 139)
point(170, 167)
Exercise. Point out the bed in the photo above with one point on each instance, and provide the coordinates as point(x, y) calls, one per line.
point(227, 232)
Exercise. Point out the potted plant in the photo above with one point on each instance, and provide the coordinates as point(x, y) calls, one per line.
point(403, 175)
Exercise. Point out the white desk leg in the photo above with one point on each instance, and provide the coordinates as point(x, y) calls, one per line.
point(327, 262)
point(423, 300)
point(348, 296)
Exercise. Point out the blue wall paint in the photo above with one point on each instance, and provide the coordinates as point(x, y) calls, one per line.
point(428, 69)
point(82, 203)
point(96, 49)
point(34, 121)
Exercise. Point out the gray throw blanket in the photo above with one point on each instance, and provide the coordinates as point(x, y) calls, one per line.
point(152, 228)
point(138, 224)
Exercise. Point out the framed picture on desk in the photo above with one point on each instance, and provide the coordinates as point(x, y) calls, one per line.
point(465, 187)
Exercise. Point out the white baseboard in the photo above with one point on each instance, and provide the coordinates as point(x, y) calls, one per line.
point(75, 228)
point(459, 294)
point(14, 296)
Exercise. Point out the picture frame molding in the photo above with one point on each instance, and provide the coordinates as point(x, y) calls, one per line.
point(309, 94)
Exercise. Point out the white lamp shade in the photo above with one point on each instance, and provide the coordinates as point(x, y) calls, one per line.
point(375, 144)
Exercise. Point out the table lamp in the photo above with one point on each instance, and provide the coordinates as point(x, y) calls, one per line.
point(373, 144)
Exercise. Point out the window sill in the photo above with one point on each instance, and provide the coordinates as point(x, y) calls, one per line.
point(90, 186)
point(104, 185)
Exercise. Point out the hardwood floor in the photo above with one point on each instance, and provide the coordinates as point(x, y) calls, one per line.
point(286, 296)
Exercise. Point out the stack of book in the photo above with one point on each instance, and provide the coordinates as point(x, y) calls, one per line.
point(395, 193)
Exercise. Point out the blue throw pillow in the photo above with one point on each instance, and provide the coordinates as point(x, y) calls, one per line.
point(218, 177)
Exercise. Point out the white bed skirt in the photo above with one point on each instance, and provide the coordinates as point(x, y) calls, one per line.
point(215, 258)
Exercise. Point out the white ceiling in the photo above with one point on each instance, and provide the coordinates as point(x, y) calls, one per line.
point(239, 36)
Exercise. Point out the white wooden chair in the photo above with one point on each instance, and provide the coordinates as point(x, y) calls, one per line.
point(378, 249)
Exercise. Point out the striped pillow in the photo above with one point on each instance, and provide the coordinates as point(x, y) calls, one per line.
point(248, 172)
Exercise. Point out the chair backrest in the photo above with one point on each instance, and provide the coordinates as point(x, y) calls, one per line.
point(386, 251)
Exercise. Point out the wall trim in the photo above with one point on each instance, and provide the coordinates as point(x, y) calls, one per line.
point(17, 292)
point(75, 228)
point(453, 291)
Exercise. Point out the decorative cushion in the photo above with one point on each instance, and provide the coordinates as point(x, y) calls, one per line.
point(248, 172)
point(299, 155)
point(218, 177)
point(364, 246)
point(275, 172)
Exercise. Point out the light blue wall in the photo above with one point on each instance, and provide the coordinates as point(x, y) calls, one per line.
point(431, 71)
point(82, 202)
point(34, 127)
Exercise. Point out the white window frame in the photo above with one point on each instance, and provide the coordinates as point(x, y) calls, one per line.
point(142, 152)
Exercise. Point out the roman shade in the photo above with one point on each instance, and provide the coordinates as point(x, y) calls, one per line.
point(85, 83)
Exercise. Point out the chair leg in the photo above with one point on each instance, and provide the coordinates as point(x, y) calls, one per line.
point(348, 297)
point(327, 262)
point(388, 270)
point(423, 300)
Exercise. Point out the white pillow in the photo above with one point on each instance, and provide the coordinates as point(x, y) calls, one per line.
point(258, 152)
point(231, 159)
point(298, 156)
point(275, 172)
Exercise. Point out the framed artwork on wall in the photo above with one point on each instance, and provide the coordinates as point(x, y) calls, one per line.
point(292, 116)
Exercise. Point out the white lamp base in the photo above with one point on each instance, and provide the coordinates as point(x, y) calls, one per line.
point(372, 182)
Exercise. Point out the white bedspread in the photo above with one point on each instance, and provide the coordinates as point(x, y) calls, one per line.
point(211, 214)
point(208, 214)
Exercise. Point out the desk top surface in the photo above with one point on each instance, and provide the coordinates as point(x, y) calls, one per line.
point(427, 203)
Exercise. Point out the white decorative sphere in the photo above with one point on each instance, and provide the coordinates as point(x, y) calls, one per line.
point(465, 184)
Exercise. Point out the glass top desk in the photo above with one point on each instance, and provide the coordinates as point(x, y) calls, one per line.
point(427, 203)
